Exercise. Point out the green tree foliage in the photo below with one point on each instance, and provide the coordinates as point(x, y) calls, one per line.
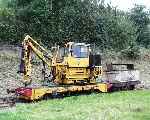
point(7, 26)
point(115, 30)
point(3, 3)
point(141, 18)
point(52, 21)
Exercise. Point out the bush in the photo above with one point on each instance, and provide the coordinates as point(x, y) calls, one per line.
point(132, 52)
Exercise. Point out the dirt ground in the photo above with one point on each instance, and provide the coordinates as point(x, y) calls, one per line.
point(10, 79)
point(9, 65)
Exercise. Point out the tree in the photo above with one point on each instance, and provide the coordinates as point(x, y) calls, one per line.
point(88, 21)
point(141, 18)
point(115, 30)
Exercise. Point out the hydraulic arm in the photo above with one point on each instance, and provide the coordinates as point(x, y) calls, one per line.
point(29, 46)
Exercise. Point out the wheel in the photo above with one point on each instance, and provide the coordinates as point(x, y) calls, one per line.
point(131, 87)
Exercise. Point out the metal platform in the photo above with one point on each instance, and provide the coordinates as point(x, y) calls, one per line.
point(38, 93)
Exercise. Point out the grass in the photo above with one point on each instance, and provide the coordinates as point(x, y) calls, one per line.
point(131, 105)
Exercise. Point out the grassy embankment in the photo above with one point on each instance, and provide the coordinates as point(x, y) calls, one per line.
point(131, 105)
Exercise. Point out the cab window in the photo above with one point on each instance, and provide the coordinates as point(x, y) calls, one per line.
point(80, 51)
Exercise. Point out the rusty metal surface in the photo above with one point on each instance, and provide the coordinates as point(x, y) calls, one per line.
point(123, 76)
point(117, 73)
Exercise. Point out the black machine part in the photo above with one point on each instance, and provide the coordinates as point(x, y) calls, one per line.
point(95, 60)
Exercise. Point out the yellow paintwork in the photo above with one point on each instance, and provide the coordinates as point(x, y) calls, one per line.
point(67, 70)
point(77, 62)
point(38, 93)
point(103, 87)
point(30, 45)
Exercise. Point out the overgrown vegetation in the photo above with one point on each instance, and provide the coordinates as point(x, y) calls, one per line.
point(77, 20)
point(133, 105)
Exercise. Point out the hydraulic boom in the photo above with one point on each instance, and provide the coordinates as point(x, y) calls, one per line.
point(29, 46)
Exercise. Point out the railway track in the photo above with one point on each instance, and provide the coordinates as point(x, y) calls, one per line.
point(7, 102)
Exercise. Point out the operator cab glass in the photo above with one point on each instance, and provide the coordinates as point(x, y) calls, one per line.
point(80, 50)
point(64, 51)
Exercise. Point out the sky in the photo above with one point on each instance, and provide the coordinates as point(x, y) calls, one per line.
point(128, 4)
